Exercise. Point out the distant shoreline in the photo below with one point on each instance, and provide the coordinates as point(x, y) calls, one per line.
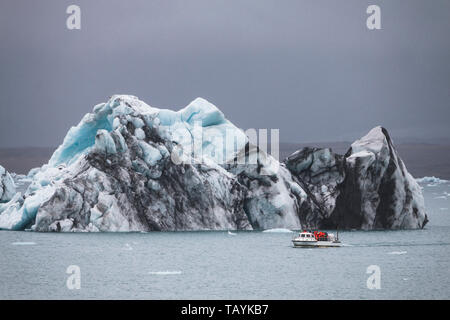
point(420, 159)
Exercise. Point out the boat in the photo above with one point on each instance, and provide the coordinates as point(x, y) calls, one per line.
point(315, 239)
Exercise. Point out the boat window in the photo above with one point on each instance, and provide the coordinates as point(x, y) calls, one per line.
point(303, 235)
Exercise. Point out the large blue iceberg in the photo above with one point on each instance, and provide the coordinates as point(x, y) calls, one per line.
point(128, 166)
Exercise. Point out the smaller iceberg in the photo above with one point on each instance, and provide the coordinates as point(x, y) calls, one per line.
point(432, 180)
point(7, 186)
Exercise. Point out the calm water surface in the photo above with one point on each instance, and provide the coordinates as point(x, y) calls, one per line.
point(415, 264)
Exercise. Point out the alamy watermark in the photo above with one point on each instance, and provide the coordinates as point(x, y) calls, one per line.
point(73, 21)
point(373, 22)
point(74, 280)
point(229, 146)
point(374, 280)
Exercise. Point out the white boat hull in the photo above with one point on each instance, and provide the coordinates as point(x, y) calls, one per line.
point(316, 244)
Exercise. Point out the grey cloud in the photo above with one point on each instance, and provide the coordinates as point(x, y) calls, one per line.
point(309, 68)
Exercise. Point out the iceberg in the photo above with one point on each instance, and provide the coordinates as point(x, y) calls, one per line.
point(128, 166)
point(431, 180)
point(114, 172)
point(7, 185)
point(367, 188)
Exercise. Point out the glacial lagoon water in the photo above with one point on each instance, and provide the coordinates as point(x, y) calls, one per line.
point(414, 264)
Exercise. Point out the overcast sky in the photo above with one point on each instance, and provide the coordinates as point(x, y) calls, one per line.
point(310, 68)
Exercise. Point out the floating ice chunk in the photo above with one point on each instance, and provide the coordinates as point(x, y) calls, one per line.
point(231, 233)
point(164, 273)
point(398, 252)
point(431, 180)
point(278, 230)
point(24, 243)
